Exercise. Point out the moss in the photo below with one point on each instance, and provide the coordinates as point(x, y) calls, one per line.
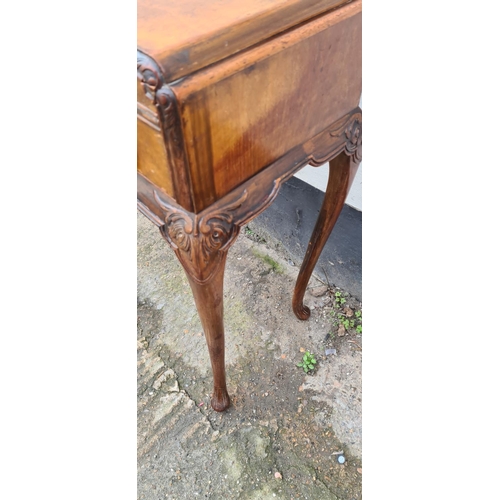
point(275, 266)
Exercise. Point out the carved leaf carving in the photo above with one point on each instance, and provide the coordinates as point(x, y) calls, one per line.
point(353, 139)
point(200, 241)
point(349, 132)
point(179, 228)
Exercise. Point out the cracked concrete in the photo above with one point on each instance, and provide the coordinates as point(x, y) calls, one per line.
point(280, 437)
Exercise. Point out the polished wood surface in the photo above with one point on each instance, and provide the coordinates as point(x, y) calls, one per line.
point(239, 116)
point(243, 114)
point(187, 35)
point(152, 160)
point(215, 146)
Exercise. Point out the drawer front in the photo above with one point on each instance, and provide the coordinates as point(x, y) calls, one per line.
point(241, 115)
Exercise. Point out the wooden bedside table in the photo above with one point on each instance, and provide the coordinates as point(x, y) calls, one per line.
point(233, 98)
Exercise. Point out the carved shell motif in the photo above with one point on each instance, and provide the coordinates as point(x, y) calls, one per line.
point(349, 133)
point(353, 139)
point(200, 241)
point(216, 232)
point(179, 229)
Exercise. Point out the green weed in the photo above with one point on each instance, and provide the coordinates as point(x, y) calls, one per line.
point(339, 314)
point(308, 362)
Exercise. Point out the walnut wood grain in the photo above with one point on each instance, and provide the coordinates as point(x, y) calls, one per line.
point(185, 36)
point(252, 197)
point(160, 149)
point(231, 120)
point(241, 115)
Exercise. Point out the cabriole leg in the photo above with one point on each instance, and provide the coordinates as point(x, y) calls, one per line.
point(343, 168)
point(208, 297)
point(201, 243)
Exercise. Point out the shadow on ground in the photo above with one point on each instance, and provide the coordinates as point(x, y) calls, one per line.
point(281, 437)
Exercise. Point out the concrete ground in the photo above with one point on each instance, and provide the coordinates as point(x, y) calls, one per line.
point(282, 435)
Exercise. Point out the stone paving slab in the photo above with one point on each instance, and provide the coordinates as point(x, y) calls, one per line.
point(281, 436)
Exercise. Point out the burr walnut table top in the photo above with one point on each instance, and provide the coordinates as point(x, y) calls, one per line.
point(186, 35)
